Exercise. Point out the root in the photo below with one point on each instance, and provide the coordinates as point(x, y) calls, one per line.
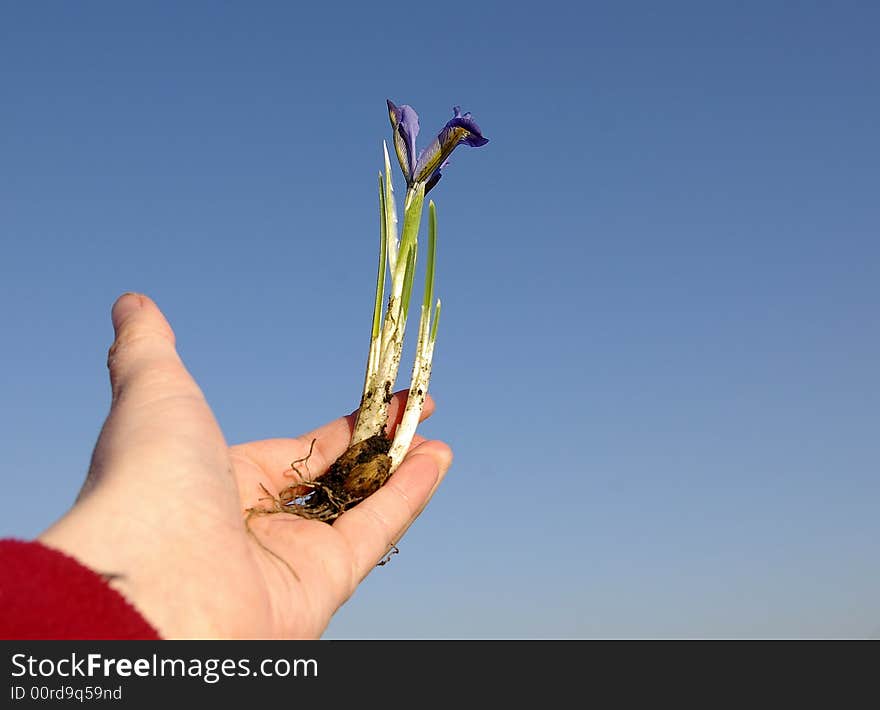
point(358, 473)
point(304, 460)
point(251, 512)
point(393, 550)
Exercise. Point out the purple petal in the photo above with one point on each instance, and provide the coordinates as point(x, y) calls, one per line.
point(433, 180)
point(475, 135)
point(460, 129)
point(435, 177)
point(405, 122)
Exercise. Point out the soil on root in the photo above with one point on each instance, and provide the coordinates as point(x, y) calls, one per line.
point(358, 473)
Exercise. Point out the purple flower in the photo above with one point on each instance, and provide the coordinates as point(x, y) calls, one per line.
point(427, 166)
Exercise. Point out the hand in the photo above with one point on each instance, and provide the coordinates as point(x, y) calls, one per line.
point(162, 507)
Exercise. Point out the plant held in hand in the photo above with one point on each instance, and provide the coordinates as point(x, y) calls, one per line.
point(372, 456)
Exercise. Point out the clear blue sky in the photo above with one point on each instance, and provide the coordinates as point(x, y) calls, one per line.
point(658, 356)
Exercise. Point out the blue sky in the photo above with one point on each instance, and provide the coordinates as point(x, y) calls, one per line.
point(657, 362)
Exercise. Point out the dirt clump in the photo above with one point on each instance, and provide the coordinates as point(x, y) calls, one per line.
point(358, 473)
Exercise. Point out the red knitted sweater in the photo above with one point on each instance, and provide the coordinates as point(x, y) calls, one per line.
point(45, 594)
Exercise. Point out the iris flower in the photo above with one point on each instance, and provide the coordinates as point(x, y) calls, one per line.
point(426, 167)
point(372, 456)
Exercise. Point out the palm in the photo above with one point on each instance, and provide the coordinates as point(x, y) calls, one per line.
point(278, 575)
point(307, 568)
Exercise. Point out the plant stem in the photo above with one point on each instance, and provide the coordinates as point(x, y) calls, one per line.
point(386, 344)
point(421, 372)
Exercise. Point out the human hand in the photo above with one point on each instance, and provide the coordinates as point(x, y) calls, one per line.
point(162, 508)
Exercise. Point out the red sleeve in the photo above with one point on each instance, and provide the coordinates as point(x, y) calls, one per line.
point(44, 594)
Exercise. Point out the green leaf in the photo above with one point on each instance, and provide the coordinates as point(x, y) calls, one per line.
point(390, 214)
point(383, 251)
point(428, 298)
point(407, 285)
point(435, 322)
point(412, 218)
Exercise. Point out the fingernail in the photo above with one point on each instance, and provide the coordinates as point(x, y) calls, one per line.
point(125, 305)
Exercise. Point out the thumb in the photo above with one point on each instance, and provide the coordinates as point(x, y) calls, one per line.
point(143, 361)
point(156, 402)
